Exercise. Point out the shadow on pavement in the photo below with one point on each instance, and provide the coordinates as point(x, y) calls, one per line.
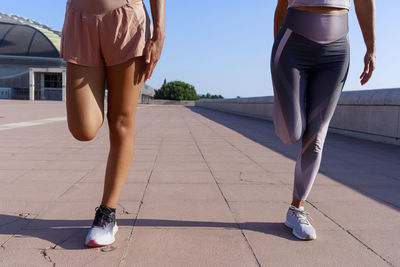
point(370, 168)
point(70, 234)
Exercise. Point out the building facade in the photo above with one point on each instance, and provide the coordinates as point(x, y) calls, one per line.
point(30, 67)
point(30, 63)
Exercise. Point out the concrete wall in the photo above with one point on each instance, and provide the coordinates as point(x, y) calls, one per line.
point(258, 107)
point(169, 102)
point(369, 114)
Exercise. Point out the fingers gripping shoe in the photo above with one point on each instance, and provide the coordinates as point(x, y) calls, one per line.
point(104, 228)
point(296, 219)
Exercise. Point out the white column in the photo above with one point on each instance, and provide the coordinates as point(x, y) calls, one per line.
point(64, 83)
point(141, 95)
point(42, 97)
point(31, 85)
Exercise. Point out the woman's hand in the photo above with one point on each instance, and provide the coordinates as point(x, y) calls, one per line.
point(152, 53)
point(369, 67)
point(153, 48)
point(365, 10)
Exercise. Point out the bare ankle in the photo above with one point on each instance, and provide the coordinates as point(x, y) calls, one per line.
point(297, 202)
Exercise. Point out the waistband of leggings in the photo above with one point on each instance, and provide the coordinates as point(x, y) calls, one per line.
point(321, 28)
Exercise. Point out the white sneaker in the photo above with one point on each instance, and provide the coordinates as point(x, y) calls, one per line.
point(103, 230)
point(296, 219)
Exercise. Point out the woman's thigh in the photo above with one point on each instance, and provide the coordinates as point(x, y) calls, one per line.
point(124, 85)
point(289, 82)
point(85, 100)
point(325, 86)
point(323, 93)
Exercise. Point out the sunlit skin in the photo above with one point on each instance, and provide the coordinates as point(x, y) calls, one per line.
point(85, 103)
point(365, 10)
point(154, 46)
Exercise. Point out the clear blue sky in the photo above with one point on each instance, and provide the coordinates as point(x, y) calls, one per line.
point(223, 47)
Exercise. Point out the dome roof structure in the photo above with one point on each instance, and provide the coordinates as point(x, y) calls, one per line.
point(24, 37)
point(148, 90)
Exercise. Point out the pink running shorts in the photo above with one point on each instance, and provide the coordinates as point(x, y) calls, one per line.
point(104, 32)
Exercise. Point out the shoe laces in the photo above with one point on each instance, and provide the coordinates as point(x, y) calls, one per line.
point(301, 215)
point(102, 217)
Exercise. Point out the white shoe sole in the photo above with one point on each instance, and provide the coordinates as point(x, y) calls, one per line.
point(298, 235)
point(94, 243)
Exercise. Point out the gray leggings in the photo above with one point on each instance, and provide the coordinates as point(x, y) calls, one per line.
point(309, 65)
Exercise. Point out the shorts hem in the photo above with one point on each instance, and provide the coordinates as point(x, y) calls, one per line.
point(117, 62)
point(80, 63)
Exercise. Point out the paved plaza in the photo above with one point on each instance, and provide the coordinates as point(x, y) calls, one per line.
point(206, 188)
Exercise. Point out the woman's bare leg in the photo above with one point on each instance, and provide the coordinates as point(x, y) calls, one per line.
point(297, 202)
point(124, 84)
point(85, 100)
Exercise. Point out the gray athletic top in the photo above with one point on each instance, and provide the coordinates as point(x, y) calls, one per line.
point(331, 3)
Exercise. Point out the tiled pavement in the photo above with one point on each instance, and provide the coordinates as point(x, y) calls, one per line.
point(205, 189)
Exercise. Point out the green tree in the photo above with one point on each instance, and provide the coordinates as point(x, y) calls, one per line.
point(176, 90)
point(210, 96)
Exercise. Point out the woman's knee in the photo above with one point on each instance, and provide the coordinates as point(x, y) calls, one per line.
point(289, 136)
point(121, 126)
point(83, 133)
point(290, 131)
point(290, 139)
point(315, 143)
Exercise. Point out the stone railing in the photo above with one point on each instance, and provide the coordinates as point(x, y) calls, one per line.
point(369, 114)
point(168, 102)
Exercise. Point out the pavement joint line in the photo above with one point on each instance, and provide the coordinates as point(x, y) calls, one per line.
point(175, 129)
point(331, 219)
point(52, 203)
point(1, 225)
point(46, 257)
point(128, 242)
point(2, 245)
point(222, 194)
point(124, 210)
point(352, 235)
point(288, 186)
point(246, 155)
point(15, 125)
point(66, 239)
point(315, 207)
